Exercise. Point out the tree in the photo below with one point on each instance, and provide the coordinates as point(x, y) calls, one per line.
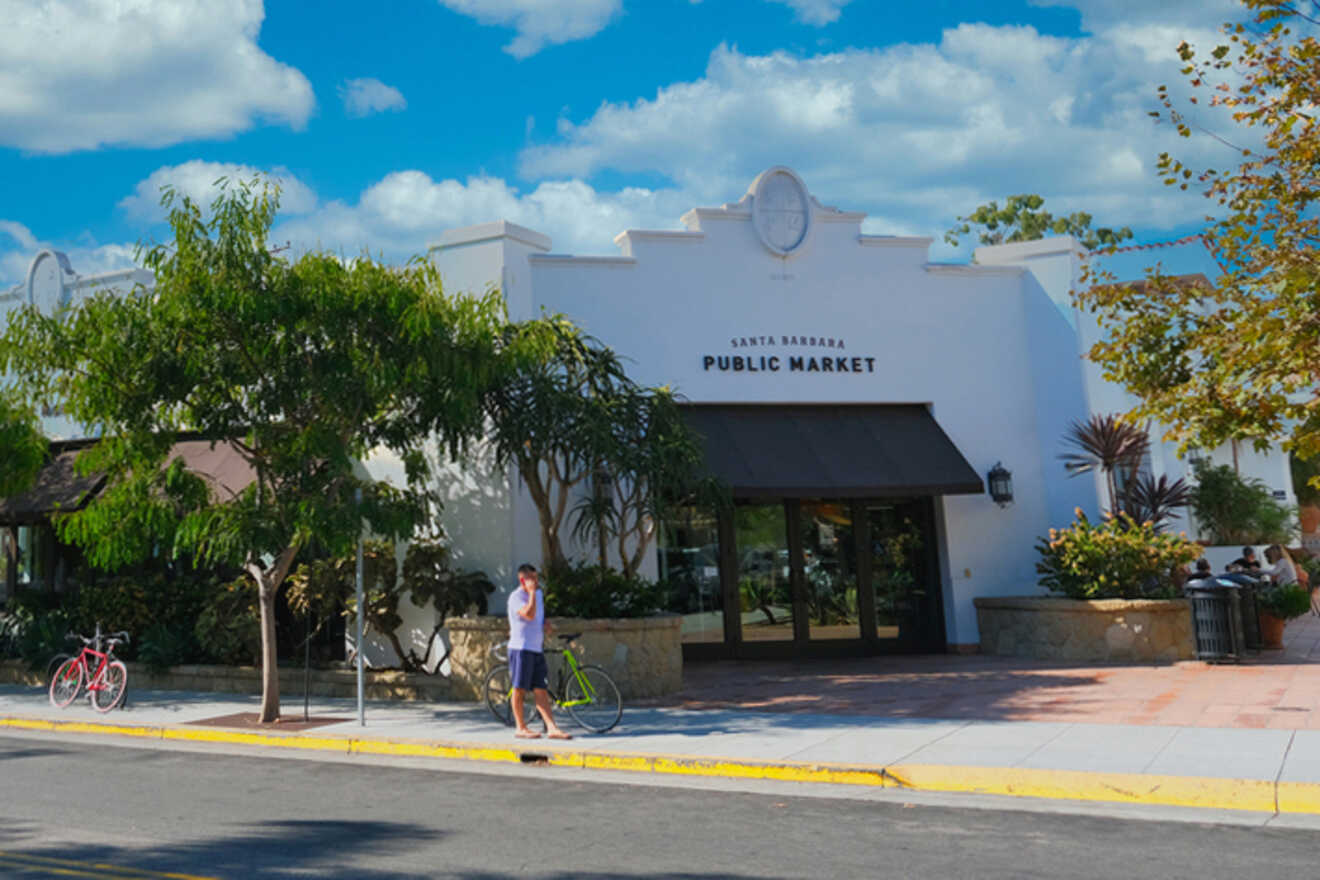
point(1236, 359)
point(304, 366)
point(22, 445)
point(1022, 219)
point(326, 586)
point(578, 427)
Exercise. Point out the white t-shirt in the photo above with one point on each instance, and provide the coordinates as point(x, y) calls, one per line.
point(526, 635)
point(1282, 572)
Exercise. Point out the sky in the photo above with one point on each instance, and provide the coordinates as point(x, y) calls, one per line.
point(388, 123)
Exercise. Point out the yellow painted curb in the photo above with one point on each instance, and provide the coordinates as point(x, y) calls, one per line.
point(1130, 788)
point(1255, 795)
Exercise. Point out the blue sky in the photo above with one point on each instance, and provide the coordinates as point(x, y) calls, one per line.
point(391, 122)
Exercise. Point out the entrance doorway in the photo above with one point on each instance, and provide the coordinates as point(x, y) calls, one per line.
point(805, 577)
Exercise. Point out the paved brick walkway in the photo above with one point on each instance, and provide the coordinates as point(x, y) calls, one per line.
point(1277, 689)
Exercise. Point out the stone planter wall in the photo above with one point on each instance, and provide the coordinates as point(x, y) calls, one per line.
point(644, 656)
point(383, 685)
point(1140, 630)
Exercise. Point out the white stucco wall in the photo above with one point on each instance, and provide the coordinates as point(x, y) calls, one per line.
point(978, 345)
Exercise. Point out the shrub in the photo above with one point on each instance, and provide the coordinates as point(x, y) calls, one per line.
point(44, 637)
point(228, 629)
point(119, 603)
point(164, 646)
point(1232, 510)
point(1285, 601)
point(593, 591)
point(1117, 559)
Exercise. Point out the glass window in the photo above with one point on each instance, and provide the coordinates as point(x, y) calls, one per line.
point(26, 544)
point(829, 556)
point(765, 590)
point(690, 573)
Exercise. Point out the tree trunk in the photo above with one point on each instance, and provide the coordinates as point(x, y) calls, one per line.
point(268, 585)
point(270, 671)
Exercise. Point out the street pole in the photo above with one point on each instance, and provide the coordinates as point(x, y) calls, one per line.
point(361, 610)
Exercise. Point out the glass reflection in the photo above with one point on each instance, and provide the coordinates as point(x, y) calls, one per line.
point(690, 573)
point(765, 591)
point(896, 543)
point(829, 554)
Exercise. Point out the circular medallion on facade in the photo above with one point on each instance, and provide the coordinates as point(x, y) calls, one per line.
point(781, 210)
point(45, 281)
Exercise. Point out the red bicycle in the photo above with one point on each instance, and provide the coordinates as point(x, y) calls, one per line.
point(105, 678)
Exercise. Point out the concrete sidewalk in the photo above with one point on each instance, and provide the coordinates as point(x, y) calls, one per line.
point(1266, 771)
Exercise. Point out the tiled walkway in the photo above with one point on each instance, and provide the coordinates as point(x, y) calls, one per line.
point(1276, 689)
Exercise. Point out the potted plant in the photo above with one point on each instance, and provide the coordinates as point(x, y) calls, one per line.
point(1278, 605)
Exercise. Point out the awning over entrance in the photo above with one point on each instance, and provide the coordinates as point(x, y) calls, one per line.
point(842, 451)
point(58, 488)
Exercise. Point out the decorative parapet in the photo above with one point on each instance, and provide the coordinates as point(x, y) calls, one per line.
point(1135, 630)
point(644, 656)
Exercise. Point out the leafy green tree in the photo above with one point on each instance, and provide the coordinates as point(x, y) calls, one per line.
point(327, 586)
point(23, 447)
point(305, 366)
point(598, 452)
point(1236, 358)
point(1023, 218)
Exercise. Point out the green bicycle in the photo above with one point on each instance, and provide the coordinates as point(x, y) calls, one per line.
point(586, 692)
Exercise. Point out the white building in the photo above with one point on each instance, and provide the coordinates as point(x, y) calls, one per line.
point(853, 394)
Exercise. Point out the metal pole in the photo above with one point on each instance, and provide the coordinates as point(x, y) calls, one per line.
point(361, 609)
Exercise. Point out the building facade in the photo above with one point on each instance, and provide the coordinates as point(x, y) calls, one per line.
point(853, 395)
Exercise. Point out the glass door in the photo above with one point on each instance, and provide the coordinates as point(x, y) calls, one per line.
point(905, 592)
point(829, 561)
point(765, 582)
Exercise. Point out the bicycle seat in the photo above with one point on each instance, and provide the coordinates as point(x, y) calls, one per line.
point(569, 637)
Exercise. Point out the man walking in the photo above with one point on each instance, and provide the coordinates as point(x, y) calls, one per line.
point(527, 666)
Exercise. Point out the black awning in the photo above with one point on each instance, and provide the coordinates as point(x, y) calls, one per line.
point(841, 451)
point(59, 488)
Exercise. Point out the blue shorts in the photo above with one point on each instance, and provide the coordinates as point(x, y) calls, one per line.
point(527, 669)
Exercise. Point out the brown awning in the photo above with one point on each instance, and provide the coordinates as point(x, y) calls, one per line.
point(58, 488)
point(838, 451)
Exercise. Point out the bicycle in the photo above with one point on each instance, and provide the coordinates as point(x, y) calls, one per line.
point(586, 692)
point(107, 684)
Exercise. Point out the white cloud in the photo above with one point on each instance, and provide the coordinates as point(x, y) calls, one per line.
point(540, 23)
point(817, 12)
point(400, 215)
point(365, 96)
point(919, 132)
point(80, 74)
point(197, 180)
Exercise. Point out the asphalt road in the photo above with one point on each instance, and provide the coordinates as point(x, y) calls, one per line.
point(80, 809)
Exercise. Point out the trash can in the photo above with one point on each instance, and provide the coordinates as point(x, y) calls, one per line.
point(1249, 596)
point(1217, 620)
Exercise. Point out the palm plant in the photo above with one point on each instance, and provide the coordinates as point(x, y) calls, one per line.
point(1105, 443)
point(1154, 501)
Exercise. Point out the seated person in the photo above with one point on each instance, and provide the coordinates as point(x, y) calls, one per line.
point(1281, 570)
point(1247, 562)
point(1202, 571)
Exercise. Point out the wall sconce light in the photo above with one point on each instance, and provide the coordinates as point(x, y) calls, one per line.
point(1001, 485)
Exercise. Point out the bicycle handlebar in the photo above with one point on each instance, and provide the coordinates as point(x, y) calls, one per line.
point(119, 638)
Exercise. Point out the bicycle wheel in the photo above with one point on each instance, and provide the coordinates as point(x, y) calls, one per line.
point(498, 689)
point(55, 663)
point(67, 683)
point(592, 698)
point(114, 685)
